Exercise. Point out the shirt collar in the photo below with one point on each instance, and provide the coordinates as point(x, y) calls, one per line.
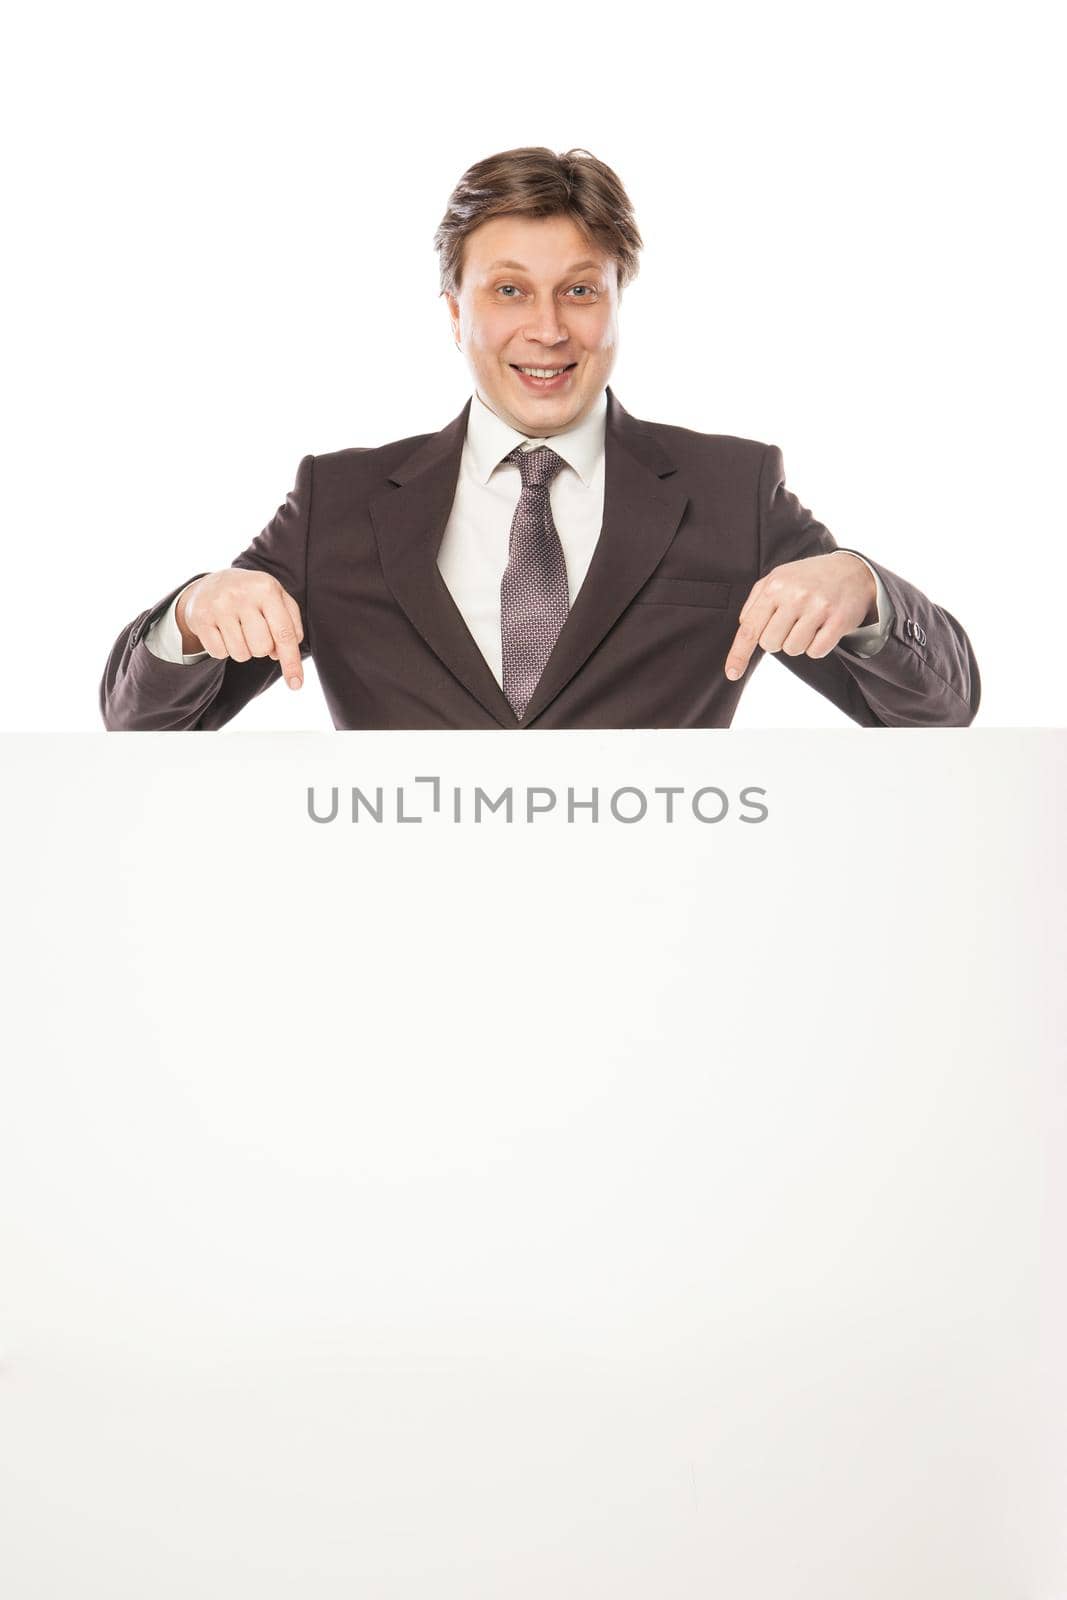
point(490, 438)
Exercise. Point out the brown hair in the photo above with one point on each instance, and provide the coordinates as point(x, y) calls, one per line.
point(535, 182)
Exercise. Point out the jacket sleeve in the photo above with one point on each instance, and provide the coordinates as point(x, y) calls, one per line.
point(140, 692)
point(925, 675)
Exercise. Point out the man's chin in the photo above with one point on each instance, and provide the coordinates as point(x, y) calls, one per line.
point(529, 413)
point(546, 413)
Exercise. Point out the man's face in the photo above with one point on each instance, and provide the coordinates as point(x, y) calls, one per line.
point(536, 294)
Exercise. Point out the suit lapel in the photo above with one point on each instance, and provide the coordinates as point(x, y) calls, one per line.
point(409, 524)
point(641, 516)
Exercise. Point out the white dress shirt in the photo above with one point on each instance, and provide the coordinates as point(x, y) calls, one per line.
point(474, 547)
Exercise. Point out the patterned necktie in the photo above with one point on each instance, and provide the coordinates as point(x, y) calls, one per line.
point(533, 590)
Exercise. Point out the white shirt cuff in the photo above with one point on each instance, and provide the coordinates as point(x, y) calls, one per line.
point(164, 637)
point(868, 640)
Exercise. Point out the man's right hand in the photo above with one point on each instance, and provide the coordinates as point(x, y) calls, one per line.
point(238, 614)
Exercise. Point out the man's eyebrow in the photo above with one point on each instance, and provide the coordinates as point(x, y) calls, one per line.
point(517, 266)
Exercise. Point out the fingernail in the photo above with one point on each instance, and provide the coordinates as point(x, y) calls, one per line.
point(732, 672)
point(294, 683)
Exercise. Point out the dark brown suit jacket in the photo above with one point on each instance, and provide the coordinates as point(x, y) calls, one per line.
point(691, 520)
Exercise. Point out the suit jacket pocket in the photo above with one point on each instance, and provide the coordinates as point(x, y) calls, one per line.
point(684, 592)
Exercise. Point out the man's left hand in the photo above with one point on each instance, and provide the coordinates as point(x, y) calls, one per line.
point(804, 608)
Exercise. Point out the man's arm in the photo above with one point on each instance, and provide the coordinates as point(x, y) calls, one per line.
point(923, 675)
point(143, 690)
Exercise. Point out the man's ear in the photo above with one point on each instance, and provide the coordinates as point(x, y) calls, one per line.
point(453, 312)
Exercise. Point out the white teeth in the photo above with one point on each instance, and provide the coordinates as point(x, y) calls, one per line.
point(543, 372)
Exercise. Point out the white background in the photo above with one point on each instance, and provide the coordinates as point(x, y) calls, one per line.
point(220, 259)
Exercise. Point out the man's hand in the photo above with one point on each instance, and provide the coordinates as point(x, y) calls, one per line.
point(240, 614)
point(804, 608)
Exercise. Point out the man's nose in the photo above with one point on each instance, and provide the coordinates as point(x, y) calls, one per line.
point(545, 326)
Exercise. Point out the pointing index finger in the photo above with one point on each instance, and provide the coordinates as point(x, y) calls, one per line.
point(750, 625)
point(286, 631)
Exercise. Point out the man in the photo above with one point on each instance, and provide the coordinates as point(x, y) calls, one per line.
point(546, 560)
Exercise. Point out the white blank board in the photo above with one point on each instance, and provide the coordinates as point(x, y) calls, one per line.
point(548, 1208)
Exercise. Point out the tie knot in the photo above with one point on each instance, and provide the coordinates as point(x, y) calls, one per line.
point(538, 467)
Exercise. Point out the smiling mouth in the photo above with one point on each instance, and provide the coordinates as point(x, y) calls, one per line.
point(556, 380)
